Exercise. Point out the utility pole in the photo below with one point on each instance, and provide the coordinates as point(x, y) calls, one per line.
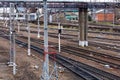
point(12, 39)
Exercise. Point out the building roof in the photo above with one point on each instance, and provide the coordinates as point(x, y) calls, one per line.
point(104, 11)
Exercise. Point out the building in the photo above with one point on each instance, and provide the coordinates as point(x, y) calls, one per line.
point(104, 15)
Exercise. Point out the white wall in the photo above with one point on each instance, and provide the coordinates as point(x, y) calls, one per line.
point(5, 10)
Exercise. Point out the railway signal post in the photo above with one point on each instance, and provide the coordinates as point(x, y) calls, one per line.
point(59, 33)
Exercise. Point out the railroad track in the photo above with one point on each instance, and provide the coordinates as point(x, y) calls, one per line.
point(92, 55)
point(36, 49)
point(90, 43)
point(78, 69)
point(69, 36)
point(74, 68)
point(86, 54)
point(75, 36)
point(89, 57)
point(93, 26)
point(93, 70)
point(104, 45)
point(111, 47)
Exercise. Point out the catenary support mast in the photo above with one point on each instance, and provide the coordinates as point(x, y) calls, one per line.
point(12, 39)
point(45, 74)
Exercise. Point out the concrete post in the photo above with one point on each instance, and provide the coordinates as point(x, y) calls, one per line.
point(81, 27)
point(86, 27)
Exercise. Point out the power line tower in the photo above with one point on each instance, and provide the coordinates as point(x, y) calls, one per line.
point(46, 75)
point(12, 38)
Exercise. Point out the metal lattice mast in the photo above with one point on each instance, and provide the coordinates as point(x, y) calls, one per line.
point(10, 16)
point(12, 39)
point(45, 73)
point(4, 14)
point(6, 19)
point(46, 62)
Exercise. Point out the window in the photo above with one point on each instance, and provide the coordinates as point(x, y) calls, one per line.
point(20, 15)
